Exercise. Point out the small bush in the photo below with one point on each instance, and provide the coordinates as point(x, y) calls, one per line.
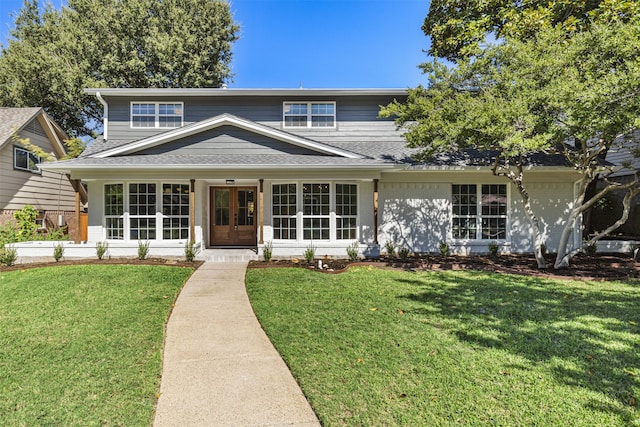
point(267, 251)
point(403, 253)
point(101, 249)
point(493, 248)
point(143, 249)
point(8, 256)
point(310, 253)
point(390, 248)
point(58, 252)
point(8, 233)
point(352, 251)
point(444, 248)
point(26, 219)
point(589, 250)
point(190, 251)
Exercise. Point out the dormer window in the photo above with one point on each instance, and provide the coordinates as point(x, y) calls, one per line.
point(160, 115)
point(309, 114)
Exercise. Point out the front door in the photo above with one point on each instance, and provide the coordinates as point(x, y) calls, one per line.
point(233, 216)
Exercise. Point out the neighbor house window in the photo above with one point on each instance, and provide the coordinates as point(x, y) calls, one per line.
point(284, 210)
point(479, 211)
point(114, 211)
point(142, 211)
point(156, 115)
point(25, 160)
point(175, 211)
point(346, 211)
point(309, 114)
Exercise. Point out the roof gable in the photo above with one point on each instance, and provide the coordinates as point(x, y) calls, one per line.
point(12, 120)
point(220, 121)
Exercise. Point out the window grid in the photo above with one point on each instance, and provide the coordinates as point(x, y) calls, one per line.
point(284, 209)
point(481, 213)
point(113, 211)
point(156, 115)
point(316, 210)
point(25, 160)
point(346, 211)
point(142, 211)
point(175, 211)
point(309, 114)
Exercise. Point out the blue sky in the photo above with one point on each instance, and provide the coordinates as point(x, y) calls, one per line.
point(318, 43)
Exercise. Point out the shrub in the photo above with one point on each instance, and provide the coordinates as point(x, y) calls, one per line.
point(403, 253)
point(310, 253)
point(58, 252)
point(143, 249)
point(26, 219)
point(493, 248)
point(190, 251)
point(101, 249)
point(444, 248)
point(267, 251)
point(390, 248)
point(8, 233)
point(589, 249)
point(352, 251)
point(8, 255)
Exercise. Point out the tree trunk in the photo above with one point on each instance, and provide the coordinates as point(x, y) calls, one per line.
point(563, 257)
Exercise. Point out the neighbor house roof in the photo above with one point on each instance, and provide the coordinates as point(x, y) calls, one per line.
point(13, 120)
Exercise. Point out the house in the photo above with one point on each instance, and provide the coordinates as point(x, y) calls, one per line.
point(294, 167)
point(22, 181)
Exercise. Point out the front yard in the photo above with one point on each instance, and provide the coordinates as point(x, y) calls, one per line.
point(82, 345)
point(389, 347)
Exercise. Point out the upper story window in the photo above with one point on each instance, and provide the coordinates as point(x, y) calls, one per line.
point(309, 114)
point(25, 160)
point(156, 114)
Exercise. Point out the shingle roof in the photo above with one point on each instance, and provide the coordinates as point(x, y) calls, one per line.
point(13, 119)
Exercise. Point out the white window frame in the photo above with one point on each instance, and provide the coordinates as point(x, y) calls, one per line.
point(156, 114)
point(171, 217)
point(30, 157)
point(479, 216)
point(310, 114)
point(300, 217)
point(126, 217)
point(287, 217)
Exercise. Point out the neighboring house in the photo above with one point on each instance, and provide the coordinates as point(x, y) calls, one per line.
point(22, 182)
point(296, 167)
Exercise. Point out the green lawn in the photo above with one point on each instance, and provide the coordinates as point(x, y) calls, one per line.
point(380, 347)
point(81, 345)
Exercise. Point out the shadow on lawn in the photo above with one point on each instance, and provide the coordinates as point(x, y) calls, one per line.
point(593, 328)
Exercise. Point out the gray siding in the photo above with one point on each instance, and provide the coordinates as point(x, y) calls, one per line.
point(46, 191)
point(227, 140)
point(357, 117)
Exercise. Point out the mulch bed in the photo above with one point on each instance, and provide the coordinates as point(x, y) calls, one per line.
point(598, 267)
point(131, 261)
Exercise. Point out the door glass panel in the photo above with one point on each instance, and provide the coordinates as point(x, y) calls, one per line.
point(246, 207)
point(221, 207)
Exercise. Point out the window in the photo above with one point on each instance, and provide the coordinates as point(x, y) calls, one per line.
point(346, 211)
point(309, 114)
point(156, 115)
point(113, 211)
point(479, 210)
point(142, 211)
point(25, 160)
point(175, 211)
point(284, 210)
point(315, 211)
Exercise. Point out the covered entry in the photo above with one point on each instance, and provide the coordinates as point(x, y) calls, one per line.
point(232, 216)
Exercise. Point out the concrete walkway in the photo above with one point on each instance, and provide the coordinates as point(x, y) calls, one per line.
point(219, 367)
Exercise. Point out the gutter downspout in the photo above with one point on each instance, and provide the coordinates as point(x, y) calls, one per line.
point(105, 116)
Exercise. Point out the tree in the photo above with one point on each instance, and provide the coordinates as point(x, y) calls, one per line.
point(575, 95)
point(54, 54)
point(458, 27)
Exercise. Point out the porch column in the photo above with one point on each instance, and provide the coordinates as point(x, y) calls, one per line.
point(192, 211)
point(375, 211)
point(76, 187)
point(261, 211)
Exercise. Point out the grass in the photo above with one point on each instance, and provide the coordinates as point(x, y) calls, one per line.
point(380, 347)
point(81, 345)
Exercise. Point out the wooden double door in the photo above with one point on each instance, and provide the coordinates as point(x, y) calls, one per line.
point(233, 216)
